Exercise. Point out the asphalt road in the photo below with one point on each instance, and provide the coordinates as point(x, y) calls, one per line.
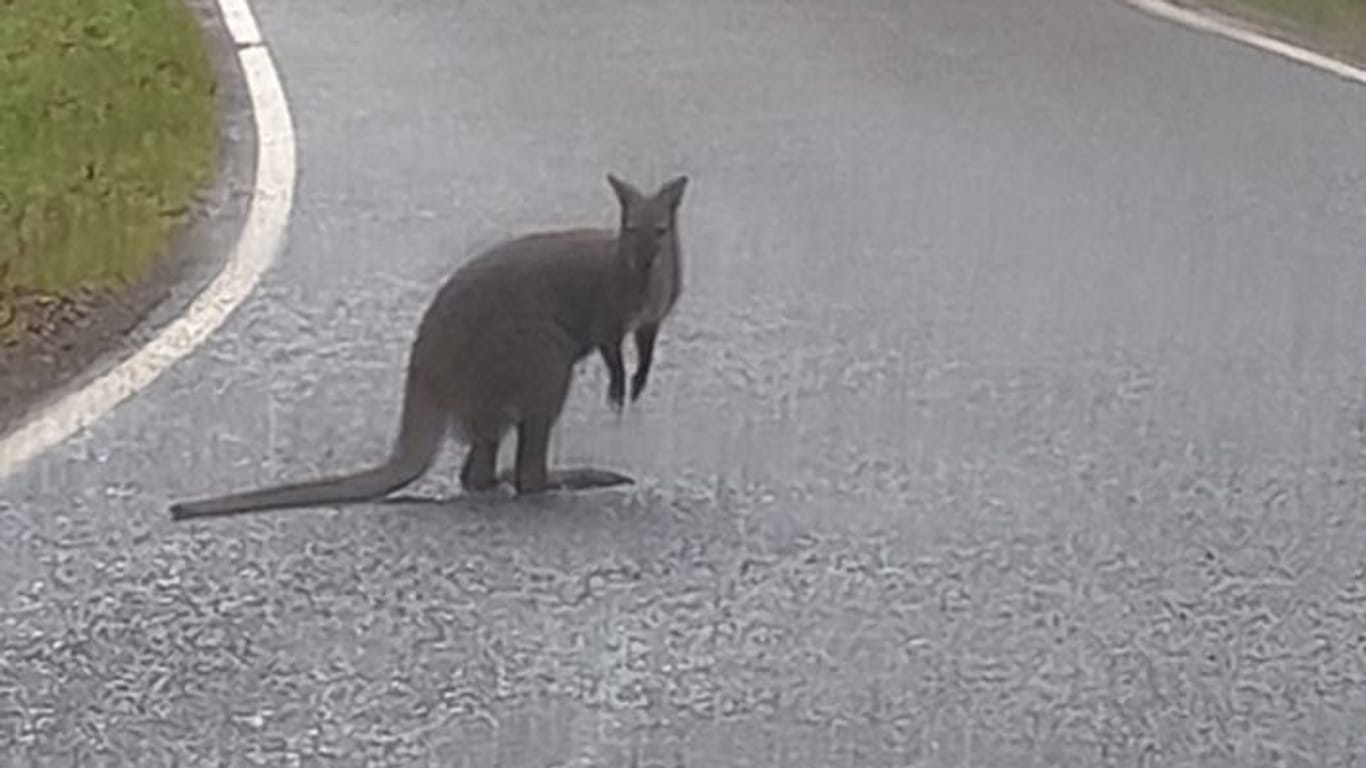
point(1014, 414)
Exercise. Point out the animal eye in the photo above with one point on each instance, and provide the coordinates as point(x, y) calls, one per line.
point(662, 230)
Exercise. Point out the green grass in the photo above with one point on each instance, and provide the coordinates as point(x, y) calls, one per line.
point(106, 130)
point(1331, 26)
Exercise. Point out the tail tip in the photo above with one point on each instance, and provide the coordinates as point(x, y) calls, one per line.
point(183, 510)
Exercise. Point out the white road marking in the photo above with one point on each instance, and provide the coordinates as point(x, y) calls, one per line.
point(261, 239)
point(1228, 28)
point(240, 22)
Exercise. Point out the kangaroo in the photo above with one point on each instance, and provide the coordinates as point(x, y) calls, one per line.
point(496, 348)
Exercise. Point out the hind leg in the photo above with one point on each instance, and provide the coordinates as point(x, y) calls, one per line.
point(480, 472)
point(533, 447)
point(533, 474)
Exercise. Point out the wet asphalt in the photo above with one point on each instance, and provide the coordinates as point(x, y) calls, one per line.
point(1014, 413)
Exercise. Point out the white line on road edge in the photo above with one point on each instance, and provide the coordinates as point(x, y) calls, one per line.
point(1228, 29)
point(241, 23)
point(261, 239)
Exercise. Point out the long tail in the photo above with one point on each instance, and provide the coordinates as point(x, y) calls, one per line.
point(421, 429)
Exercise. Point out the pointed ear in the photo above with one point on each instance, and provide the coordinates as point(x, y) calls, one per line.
point(672, 192)
point(627, 195)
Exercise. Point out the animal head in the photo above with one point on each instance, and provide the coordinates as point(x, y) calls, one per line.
point(647, 223)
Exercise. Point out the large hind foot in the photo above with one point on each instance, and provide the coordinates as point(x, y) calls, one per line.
point(585, 478)
point(578, 479)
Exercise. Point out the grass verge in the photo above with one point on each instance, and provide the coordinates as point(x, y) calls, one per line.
point(107, 129)
point(1333, 27)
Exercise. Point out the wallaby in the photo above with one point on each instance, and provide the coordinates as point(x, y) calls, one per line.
point(496, 350)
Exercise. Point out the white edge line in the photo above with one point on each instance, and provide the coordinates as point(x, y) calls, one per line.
point(1225, 28)
point(241, 22)
point(260, 240)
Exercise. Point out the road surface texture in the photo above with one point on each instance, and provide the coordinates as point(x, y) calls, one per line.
point(1014, 415)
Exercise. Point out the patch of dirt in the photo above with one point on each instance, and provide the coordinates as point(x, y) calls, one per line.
point(62, 336)
point(68, 341)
